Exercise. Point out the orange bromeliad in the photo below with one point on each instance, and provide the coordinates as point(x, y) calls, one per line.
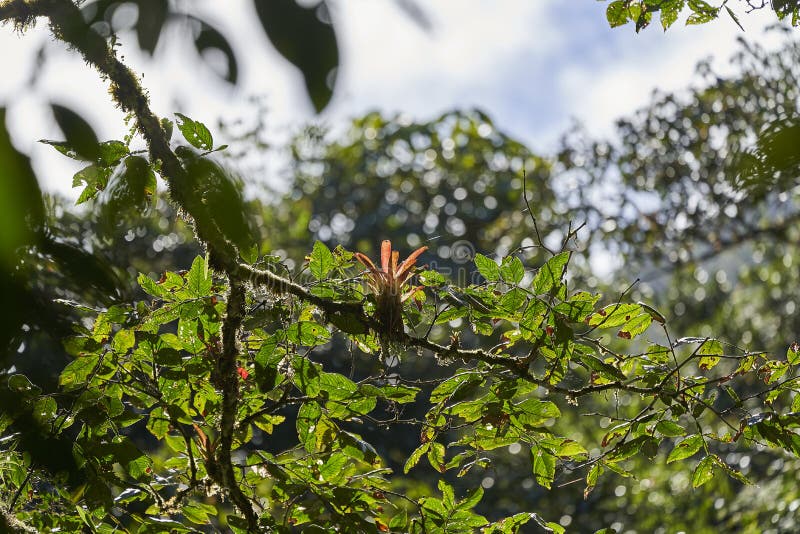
point(388, 285)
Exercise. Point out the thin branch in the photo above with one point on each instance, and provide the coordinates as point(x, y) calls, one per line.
point(530, 212)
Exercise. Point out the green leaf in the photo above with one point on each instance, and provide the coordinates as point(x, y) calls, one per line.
point(337, 386)
point(544, 466)
point(333, 470)
point(710, 353)
point(307, 333)
point(670, 11)
point(44, 409)
point(615, 315)
point(151, 287)
point(451, 314)
point(513, 302)
point(111, 152)
point(63, 148)
point(430, 278)
point(95, 179)
point(596, 364)
point(353, 446)
point(624, 450)
point(399, 522)
point(793, 354)
point(532, 318)
point(512, 270)
point(456, 387)
point(686, 448)
point(535, 412)
point(158, 423)
point(209, 38)
point(731, 472)
point(77, 371)
point(307, 417)
point(198, 512)
point(20, 384)
point(670, 429)
point(487, 267)
point(436, 456)
point(733, 17)
point(348, 322)
point(702, 12)
point(413, 459)
point(267, 422)
point(591, 478)
point(321, 261)
point(704, 470)
point(617, 13)
point(132, 185)
point(549, 274)
point(198, 280)
point(510, 525)
point(138, 468)
point(400, 394)
point(638, 325)
point(578, 307)
point(306, 376)
point(195, 132)
point(472, 499)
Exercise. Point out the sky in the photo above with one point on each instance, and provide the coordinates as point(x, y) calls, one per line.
point(534, 66)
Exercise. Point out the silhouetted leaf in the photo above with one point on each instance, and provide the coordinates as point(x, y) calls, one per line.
point(152, 15)
point(80, 136)
point(21, 208)
point(209, 38)
point(306, 40)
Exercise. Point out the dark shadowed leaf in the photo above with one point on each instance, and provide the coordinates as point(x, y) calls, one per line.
point(306, 40)
point(152, 15)
point(209, 38)
point(80, 136)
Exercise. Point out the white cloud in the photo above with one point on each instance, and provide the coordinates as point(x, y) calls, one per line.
point(630, 66)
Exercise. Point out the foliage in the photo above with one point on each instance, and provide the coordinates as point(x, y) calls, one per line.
point(640, 12)
point(212, 403)
point(664, 215)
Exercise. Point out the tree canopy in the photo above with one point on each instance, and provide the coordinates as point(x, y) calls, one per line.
point(416, 323)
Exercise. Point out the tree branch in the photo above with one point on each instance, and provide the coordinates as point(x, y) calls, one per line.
point(9, 523)
point(226, 379)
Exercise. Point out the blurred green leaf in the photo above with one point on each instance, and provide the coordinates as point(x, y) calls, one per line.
point(316, 54)
point(80, 136)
